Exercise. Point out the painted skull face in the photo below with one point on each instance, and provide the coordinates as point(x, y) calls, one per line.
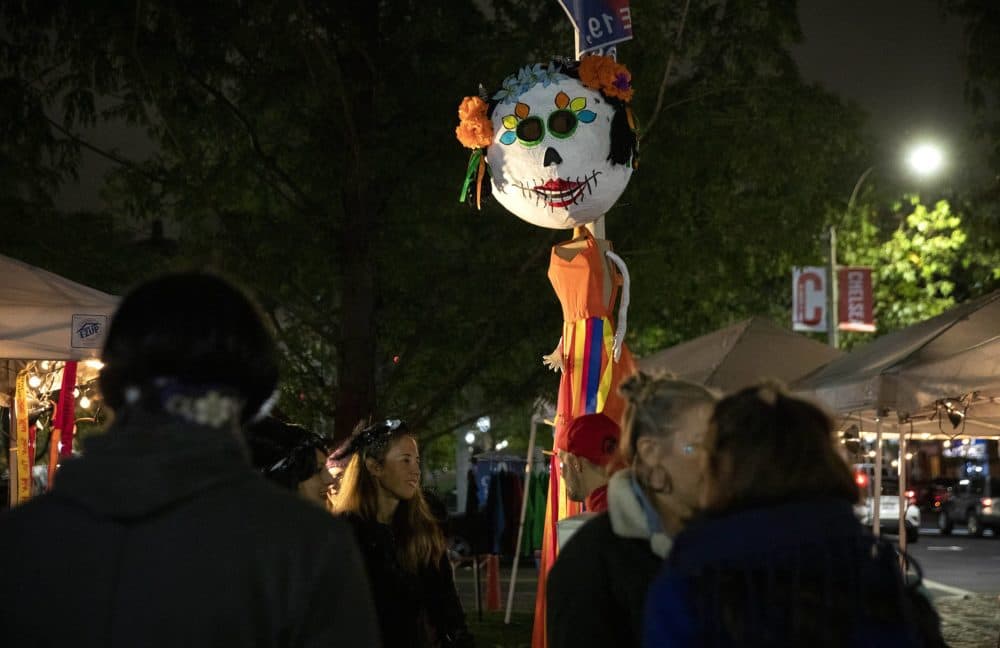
point(549, 155)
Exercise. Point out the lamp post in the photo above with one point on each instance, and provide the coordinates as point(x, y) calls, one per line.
point(924, 159)
point(834, 317)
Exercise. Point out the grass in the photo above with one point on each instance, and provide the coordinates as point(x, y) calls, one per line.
point(492, 632)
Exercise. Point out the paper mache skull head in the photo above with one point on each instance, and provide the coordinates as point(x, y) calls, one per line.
point(560, 141)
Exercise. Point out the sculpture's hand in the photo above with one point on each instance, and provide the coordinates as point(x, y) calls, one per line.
point(554, 360)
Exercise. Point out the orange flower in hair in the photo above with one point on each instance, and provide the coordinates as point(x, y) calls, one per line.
point(604, 74)
point(475, 130)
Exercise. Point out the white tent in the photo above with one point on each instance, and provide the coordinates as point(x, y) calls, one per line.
point(946, 364)
point(46, 317)
point(742, 354)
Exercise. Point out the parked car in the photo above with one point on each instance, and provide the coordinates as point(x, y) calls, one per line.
point(971, 503)
point(930, 494)
point(888, 504)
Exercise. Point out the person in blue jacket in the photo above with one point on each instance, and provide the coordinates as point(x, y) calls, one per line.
point(778, 558)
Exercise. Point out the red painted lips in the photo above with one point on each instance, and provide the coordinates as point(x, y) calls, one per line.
point(559, 192)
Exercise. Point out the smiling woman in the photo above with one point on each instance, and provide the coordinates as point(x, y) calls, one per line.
point(400, 540)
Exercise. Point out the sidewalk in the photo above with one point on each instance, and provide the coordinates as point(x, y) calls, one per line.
point(967, 621)
point(971, 621)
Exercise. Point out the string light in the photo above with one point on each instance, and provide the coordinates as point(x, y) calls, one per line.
point(34, 381)
point(85, 402)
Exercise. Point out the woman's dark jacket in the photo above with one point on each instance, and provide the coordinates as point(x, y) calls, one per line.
point(414, 609)
point(803, 573)
point(163, 535)
point(597, 586)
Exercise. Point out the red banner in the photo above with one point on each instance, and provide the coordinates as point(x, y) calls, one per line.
point(63, 421)
point(854, 310)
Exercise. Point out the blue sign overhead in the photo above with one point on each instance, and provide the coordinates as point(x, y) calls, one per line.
point(599, 23)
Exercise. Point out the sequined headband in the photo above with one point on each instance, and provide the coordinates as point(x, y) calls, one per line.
point(371, 439)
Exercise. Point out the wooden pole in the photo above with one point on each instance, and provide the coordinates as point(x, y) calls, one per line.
point(877, 497)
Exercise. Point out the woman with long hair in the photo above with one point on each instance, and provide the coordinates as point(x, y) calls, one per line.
point(778, 557)
point(403, 546)
point(597, 587)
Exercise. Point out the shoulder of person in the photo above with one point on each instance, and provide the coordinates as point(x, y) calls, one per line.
point(587, 541)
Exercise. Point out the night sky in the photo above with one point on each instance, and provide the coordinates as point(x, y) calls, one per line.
point(899, 59)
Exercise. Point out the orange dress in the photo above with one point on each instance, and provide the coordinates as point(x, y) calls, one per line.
point(589, 383)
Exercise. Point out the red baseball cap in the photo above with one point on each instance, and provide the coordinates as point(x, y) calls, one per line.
point(591, 436)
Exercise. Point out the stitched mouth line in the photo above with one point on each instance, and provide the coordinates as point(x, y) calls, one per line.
point(569, 191)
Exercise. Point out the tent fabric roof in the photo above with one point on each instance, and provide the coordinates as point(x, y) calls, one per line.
point(47, 317)
point(742, 354)
point(908, 371)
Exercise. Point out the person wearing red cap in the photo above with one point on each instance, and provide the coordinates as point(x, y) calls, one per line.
point(585, 453)
point(596, 590)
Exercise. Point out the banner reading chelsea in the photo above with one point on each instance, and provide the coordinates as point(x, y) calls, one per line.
point(599, 24)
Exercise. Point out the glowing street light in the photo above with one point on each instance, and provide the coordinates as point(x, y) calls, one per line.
point(926, 159)
point(470, 437)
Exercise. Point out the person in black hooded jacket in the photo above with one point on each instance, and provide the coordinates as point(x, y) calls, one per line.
point(162, 534)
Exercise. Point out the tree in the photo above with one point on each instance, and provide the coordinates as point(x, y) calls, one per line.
point(922, 266)
point(307, 149)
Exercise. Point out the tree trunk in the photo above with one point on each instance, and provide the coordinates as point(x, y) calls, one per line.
point(355, 399)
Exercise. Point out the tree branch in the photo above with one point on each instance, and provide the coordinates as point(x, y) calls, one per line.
point(666, 73)
point(267, 159)
point(101, 152)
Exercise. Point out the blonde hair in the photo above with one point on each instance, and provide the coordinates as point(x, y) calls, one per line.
point(419, 541)
point(653, 403)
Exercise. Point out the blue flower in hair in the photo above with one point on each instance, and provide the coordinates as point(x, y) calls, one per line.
point(509, 90)
point(551, 75)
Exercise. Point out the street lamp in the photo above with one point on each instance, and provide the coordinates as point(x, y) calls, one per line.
point(925, 160)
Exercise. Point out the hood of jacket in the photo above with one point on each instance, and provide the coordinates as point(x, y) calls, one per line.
point(629, 516)
point(146, 463)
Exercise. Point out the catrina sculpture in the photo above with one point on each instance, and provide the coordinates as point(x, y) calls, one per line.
point(556, 146)
point(559, 143)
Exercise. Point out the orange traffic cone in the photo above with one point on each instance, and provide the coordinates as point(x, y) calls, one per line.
point(493, 583)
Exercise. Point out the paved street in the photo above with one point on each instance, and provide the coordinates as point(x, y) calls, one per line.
point(959, 560)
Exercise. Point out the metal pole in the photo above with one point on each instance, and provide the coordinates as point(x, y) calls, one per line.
point(520, 527)
point(834, 320)
point(903, 499)
point(877, 496)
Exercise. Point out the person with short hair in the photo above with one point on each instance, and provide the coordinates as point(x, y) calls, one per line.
point(401, 541)
point(778, 557)
point(292, 457)
point(597, 586)
point(162, 534)
point(586, 451)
